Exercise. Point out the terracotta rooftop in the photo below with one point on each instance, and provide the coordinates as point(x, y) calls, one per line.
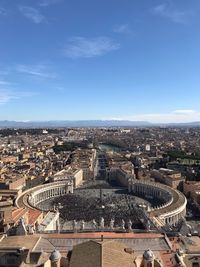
point(105, 234)
point(33, 216)
point(168, 259)
point(18, 213)
point(14, 242)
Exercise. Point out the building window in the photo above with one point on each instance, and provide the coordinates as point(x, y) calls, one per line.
point(195, 264)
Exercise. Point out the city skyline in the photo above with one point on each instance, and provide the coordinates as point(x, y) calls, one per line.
point(100, 60)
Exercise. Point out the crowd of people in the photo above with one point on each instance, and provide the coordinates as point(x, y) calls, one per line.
point(96, 200)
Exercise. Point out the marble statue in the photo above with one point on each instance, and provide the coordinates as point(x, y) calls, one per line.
point(102, 222)
point(82, 225)
point(21, 227)
point(112, 221)
point(94, 223)
point(74, 225)
point(148, 226)
point(130, 225)
point(123, 224)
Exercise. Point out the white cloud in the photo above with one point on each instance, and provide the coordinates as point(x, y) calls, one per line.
point(123, 28)
point(40, 70)
point(176, 116)
point(45, 3)
point(4, 72)
point(60, 89)
point(3, 11)
point(81, 47)
point(167, 11)
point(7, 95)
point(32, 14)
point(184, 111)
point(2, 82)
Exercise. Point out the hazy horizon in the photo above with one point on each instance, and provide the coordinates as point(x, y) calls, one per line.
point(91, 123)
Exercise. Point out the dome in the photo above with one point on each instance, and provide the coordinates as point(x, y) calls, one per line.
point(55, 255)
point(148, 255)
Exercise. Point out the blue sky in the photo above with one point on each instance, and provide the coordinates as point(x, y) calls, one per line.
point(100, 59)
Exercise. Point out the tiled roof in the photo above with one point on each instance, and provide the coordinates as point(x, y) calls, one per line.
point(33, 216)
point(108, 253)
point(18, 213)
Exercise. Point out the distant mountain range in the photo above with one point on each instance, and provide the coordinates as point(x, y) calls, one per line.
point(90, 123)
point(68, 123)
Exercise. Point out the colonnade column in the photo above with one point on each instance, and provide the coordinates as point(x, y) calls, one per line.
point(41, 195)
